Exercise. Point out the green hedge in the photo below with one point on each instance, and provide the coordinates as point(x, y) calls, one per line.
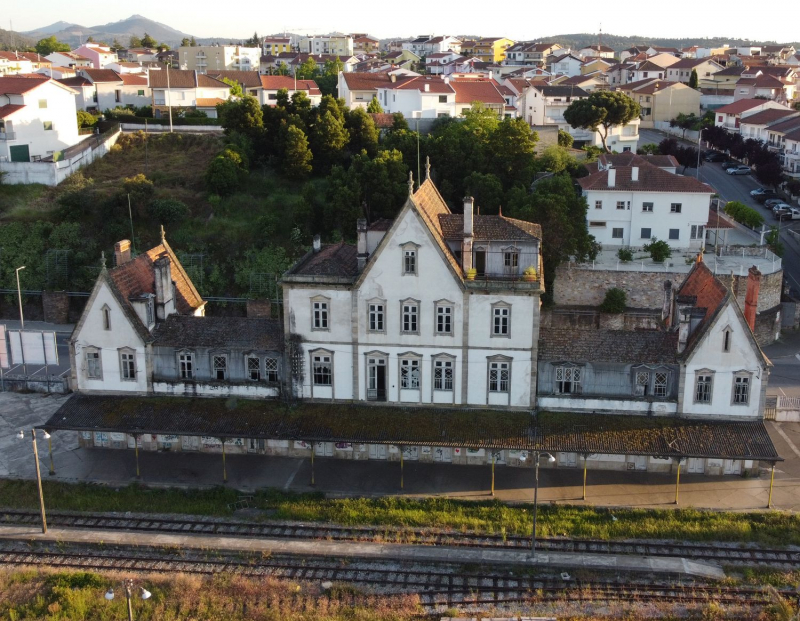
point(140, 120)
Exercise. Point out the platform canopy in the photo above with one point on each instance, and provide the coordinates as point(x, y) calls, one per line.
point(381, 424)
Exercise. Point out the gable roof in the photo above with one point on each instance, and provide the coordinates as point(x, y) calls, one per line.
point(75, 82)
point(182, 78)
point(419, 83)
point(366, 81)
point(9, 109)
point(651, 86)
point(630, 158)
point(691, 63)
point(765, 117)
point(743, 105)
point(101, 75)
point(337, 260)
point(609, 346)
point(247, 79)
point(15, 85)
point(489, 228)
point(278, 82)
point(132, 79)
point(470, 90)
point(560, 91)
point(257, 333)
point(651, 179)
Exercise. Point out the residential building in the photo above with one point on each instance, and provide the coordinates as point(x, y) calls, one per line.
point(441, 63)
point(730, 116)
point(756, 125)
point(531, 53)
point(38, 62)
point(272, 46)
point(429, 44)
point(38, 119)
point(681, 71)
point(180, 88)
point(418, 97)
point(210, 58)
point(271, 84)
point(661, 100)
point(707, 52)
point(565, 64)
point(68, 59)
point(790, 158)
point(13, 63)
point(643, 71)
point(138, 55)
point(596, 65)
point(765, 86)
point(633, 203)
point(587, 83)
point(597, 51)
point(364, 44)
point(779, 52)
point(84, 92)
point(99, 55)
point(333, 44)
point(250, 81)
point(358, 89)
point(486, 91)
point(112, 90)
point(654, 50)
point(124, 66)
point(431, 335)
point(403, 59)
point(491, 49)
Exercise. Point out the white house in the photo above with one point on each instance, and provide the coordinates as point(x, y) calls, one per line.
point(730, 116)
point(531, 53)
point(335, 44)
point(68, 59)
point(598, 51)
point(565, 64)
point(84, 92)
point(427, 334)
point(112, 90)
point(12, 63)
point(630, 205)
point(791, 152)
point(99, 55)
point(755, 125)
point(427, 44)
point(418, 97)
point(271, 84)
point(37, 120)
point(358, 89)
point(185, 89)
point(681, 71)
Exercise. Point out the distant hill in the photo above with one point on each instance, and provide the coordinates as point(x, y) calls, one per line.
point(135, 25)
point(619, 43)
point(10, 40)
point(40, 33)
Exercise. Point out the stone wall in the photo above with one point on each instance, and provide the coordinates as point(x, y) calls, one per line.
point(768, 326)
point(56, 306)
point(588, 319)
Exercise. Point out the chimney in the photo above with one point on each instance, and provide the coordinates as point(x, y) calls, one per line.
point(165, 299)
point(612, 177)
point(466, 242)
point(666, 309)
point(635, 173)
point(317, 244)
point(122, 252)
point(361, 229)
point(427, 88)
point(751, 297)
point(393, 77)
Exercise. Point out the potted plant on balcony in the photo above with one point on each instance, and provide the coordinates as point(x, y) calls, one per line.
point(530, 275)
point(472, 273)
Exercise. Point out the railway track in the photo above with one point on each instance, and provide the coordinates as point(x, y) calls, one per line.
point(330, 532)
point(435, 588)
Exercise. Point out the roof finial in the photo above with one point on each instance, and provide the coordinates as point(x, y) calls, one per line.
point(103, 259)
point(410, 183)
point(427, 167)
point(163, 234)
point(700, 256)
point(500, 211)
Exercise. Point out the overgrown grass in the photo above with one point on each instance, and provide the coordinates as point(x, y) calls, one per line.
point(67, 595)
point(764, 528)
point(23, 202)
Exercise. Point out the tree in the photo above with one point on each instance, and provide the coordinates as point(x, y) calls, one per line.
point(487, 191)
point(236, 88)
point(686, 121)
point(281, 69)
point(163, 47)
point(134, 41)
point(49, 45)
point(307, 69)
point(193, 42)
point(242, 115)
point(565, 139)
point(254, 41)
point(85, 119)
point(297, 157)
point(222, 175)
point(556, 160)
point(770, 172)
point(148, 41)
point(510, 151)
point(116, 45)
point(90, 39)
point(658, 250)
point(374, 106)
point(362, 130)
point(693, 81)
point(614, 302)
point(185, 42)
point(744, 214)
point(600, 111)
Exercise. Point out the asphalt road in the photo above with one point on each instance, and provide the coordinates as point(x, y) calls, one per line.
point(737, 188)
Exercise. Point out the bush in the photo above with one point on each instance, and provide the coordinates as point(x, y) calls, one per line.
point(222, 176)
point(744, 214)
point(167, 210)
point(614, 302)
point(85, 119)
point(658, 250)
point(625, 254)
point(139, 187)
point(118, 114)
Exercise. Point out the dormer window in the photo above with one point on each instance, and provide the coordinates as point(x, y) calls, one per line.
point(220, 367)
point(149, 311)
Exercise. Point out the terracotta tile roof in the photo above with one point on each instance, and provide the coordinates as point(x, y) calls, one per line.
point(616, 346)
point(74, 82)
point(708, 294)
point(178, 78)
point(632, 159)
point(489, 228)
point(277, 82)
point(649, 66)
point(248, 79)
point(765, 117)
point(130, 79)
point(784, 126)
point(137, 277)
point(599, 48)
point(101, 75)
point(431, 206)
point(743, 105)
point(561, 91)
point(730, 71)
point(689, 63)
point(337, 260)
point(382, 224)
point(471, 90)
point(207, 81)
point(418, 83)
point(717, 221)
point(209, 102)
point(650, 86)
point(237, 332)
point(9, 109)
point(651, 179)
point(382, 120)
point(35, 58)
point(11, 85)
point(793, 135)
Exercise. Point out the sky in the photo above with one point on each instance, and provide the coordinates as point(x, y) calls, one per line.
point(468, 17)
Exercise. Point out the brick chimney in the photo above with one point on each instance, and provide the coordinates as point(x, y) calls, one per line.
point(666, 309)
point(165, 290)
point(361, 248)
point(122, 252)
point(751, 296)
point(612, 177)
point(466, 242)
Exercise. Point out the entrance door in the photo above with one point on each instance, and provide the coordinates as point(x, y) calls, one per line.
point(20, 153)
point(377, 451)
point(732, 466)
point(323, 449)
point(443, 453)
point(568, 460)
point(480, 262)
point(376, 379)
point(695, 465)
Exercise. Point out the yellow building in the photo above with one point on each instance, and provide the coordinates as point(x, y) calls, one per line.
point(487, 49)
point(275, 45)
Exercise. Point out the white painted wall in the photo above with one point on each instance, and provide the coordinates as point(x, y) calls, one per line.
point(618, 406)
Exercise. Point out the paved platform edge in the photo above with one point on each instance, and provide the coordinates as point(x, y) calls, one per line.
point(375, 551)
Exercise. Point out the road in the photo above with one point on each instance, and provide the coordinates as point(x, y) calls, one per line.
point(737, 188)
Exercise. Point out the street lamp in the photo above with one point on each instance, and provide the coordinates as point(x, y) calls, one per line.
point(19, 295)
point(128, 586)
point(550, 460)
point(21, 436)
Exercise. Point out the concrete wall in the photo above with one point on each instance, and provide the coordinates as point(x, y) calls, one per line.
point(183, 129)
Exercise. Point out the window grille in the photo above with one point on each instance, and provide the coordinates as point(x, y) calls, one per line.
point(409, 373)
point(499, 373)
point(443, 375)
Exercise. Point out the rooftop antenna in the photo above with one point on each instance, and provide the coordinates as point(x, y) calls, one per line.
point(600, 36)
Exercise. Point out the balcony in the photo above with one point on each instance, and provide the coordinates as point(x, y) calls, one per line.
point(6, 136)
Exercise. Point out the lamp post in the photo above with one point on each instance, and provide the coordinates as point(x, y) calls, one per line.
point(19, 295)
point(21, 436)
point(127, 584)
point(550, 460)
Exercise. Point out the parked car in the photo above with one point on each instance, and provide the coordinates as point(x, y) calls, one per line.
point(741, 169)
point(766, 195)
point(779, 208)
point(792, 214)
point(771, 202)
point(760, 191)
point(729, 164)
point(714, 156)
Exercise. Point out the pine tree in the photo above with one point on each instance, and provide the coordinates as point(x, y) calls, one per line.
point(374, 106)
point(297, 156)
point(693, 79)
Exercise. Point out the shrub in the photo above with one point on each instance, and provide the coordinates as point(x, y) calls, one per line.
point(222, 176)
point(744, 214)
point(118, 113)
point(614, 302)
point(139, 187)
point(85, 119)
point(167, 210)
point(658, 250)
point(625, 254)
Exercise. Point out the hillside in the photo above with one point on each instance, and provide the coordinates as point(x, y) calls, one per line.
point(619, 43)
point(135, 25)
point(51, 29)
point(10, 40)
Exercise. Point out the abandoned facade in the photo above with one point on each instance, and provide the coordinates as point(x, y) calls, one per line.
point(423, 340)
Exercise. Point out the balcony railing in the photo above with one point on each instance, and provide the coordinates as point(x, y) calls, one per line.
point(4, 136)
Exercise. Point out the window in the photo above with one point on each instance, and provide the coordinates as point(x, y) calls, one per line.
point(127, 363)
point(616, 233)
point(148, 307)
point(322, 370)
point(410, 261)
point(648, 207)
point(660, 384)
point(499, 376)
point(409, 373)
point(443, 375)
point(511, 261)
point(48, 126)
point(186, 365)
point(117, 95)
point(410, 317)
point(253, 368)
point(42, 103)
point(697, 231)
point(702, 388)
point(271, 366)
point(675, 207)
point(140, 93)
point(220, 366)
point(674, 233)
point(642, 386)
point(598, 204)
point(726, 340)
point(741, 390)
point(376, 317)
point(442, 98)
point(272, 96)
point(501, 321)
point(646, 233)
point(106, 318)
point(620, 204)
point(94, 369)
point(444, 319)
point(320, 315)
point(597, 225)
point(568, 380)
